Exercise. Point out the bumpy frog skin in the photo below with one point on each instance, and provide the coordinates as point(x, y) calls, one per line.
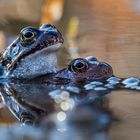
point(33, 53)
point(84, 70)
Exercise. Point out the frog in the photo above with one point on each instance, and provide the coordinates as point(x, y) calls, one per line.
point(80, 70)
point(33, 53)
point(86, 69)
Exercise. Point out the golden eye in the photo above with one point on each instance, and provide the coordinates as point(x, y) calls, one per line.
point(27, 36)
point(78, 65)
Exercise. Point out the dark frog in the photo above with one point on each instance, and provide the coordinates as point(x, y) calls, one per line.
point(32, 54)
point(82, 70)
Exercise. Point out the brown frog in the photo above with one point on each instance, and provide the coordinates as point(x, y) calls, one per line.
point(81, 70)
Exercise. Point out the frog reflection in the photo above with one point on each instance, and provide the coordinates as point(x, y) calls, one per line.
point(30, 103)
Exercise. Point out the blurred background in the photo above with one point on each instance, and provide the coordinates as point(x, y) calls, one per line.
point(106, 29)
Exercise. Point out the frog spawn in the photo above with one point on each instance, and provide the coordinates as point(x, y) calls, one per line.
point(132, 83)
point(114, 83)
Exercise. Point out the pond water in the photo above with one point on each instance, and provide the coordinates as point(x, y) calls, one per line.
point(113, 36)
point(111, 33)
point(122, 50)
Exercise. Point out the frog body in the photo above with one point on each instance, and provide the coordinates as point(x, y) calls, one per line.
point(32, 54)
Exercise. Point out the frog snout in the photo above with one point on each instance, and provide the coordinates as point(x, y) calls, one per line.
point(106, 69)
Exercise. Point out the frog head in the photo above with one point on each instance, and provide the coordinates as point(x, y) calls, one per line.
point(33, 53)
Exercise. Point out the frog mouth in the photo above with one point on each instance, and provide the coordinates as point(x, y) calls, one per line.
point(50, 44)
point(47, 45)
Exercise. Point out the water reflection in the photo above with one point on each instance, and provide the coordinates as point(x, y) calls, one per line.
point(81, 110)
point(57, 109)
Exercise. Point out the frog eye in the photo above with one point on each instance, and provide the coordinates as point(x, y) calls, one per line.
point(78, 65)
point(27, 36)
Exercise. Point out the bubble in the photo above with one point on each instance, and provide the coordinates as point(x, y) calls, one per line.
point(58, 99)
point(64, 95)
point(65, 106)
point(61, 116)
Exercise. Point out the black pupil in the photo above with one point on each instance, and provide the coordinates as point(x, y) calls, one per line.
point(28, 34)
point(78, 64)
